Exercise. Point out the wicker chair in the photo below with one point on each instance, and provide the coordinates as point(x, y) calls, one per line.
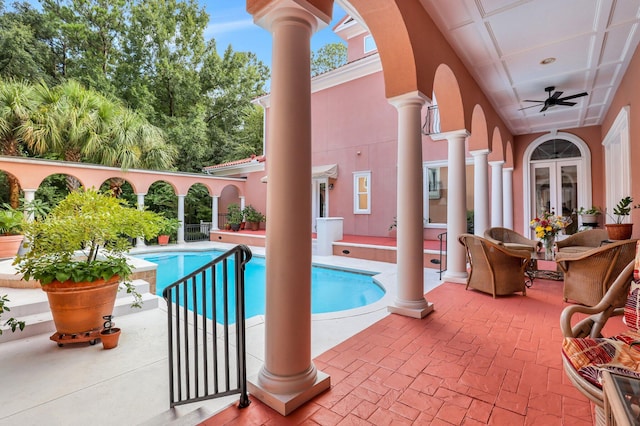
point(588, 275)
point(511, 239)
point(582, 241)
point(495, 269)
point(612, 304)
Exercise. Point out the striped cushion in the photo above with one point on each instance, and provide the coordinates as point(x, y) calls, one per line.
point(632, 307)
point(590, 357)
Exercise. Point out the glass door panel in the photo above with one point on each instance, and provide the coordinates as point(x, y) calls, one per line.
point(555, 189)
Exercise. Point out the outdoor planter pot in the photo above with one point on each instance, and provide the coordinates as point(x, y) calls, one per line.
point(110, 337)
point(9, 245)
point(77, 253)
point(79, 307)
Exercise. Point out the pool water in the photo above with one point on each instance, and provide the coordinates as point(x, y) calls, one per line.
point(331, 289)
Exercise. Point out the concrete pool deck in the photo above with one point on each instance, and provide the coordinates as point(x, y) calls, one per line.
point(81, 384)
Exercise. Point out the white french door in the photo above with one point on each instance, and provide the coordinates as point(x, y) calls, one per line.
point(320, 201)
point(555, 186)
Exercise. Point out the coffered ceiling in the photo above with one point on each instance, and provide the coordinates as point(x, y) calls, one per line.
point(504, 44)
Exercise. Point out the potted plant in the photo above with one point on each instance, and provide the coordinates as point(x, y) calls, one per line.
point(77, 253)
point(619, 230)
point(168, 227)
point(253, 217)
point(10, 231)
point(234, 216)
point(109, 334)
point(589, 215)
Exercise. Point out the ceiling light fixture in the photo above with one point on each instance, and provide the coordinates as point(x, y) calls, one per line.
point(547, 61)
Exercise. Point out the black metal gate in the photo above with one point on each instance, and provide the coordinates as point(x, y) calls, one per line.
point(206, 316)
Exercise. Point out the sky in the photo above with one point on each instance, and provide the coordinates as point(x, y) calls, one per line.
point(230, 24)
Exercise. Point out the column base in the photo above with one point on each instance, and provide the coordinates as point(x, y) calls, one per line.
point(455, 277)
point(414, 310)
point(285, 404)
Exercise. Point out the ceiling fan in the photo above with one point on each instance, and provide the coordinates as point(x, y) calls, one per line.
point(553, 100)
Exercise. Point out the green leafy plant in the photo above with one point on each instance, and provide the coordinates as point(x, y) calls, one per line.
point(11, 322)
point(10, 220)
point(593, 210)
point(623, 209)
point(169, 226)
point(234, 214)
point(85, 238)
point(252, 215)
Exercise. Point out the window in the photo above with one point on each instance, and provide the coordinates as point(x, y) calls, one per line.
point(369, 44)
point(436, 192)
point(362, 192)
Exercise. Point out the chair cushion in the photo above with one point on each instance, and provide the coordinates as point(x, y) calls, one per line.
point(575, 249)
point(590, 357)
point(632, 306)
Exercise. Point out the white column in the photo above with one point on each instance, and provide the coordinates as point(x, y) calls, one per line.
point(410, 299)
point(214, 212)
point(288, 377)
point(507, 197)
point(140, 240)
point(242, 202)
point(456, 207)
point(29, 196)
point(481, 191)
point(496, 193)
point(181, 218)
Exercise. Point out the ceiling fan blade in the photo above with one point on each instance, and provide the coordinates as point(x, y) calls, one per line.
point(544, 108)
point(565, 103)
point(578, 95)
point(529, 100)
point(532, 106)
point(556, 95)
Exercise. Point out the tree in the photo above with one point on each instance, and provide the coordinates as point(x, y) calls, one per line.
point(230, 83)
point(328, 57)
point(17, 102)
point(24, 54)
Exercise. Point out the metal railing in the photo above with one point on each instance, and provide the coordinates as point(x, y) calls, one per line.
point(206, 313)
point(442, 237)
point(197, 232)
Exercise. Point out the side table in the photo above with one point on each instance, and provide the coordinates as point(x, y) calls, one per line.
point(621, 399)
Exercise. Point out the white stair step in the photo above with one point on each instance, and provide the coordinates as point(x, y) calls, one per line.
point(34, 310)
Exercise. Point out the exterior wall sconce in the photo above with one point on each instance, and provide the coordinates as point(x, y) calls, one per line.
point(330, 186)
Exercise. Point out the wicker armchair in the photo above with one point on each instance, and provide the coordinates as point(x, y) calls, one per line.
point(495, 269)
point(578, 339)
point(511, 239)
point(588, 275)
point(582, 241)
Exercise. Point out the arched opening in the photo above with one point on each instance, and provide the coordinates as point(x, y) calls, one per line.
point(557, 176)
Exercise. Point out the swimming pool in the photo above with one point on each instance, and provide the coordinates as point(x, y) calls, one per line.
point(331, 289)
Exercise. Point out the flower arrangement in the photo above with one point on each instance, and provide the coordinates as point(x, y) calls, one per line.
point(548, 225)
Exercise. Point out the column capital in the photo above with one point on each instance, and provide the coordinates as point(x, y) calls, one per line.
point(496, 163)
point(267, 14)
point(507, 169)
point(455, 134)
point(415, 98)
point(479, 152)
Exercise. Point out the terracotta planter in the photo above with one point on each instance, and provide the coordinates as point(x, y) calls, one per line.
point(619, 231)
point(163, 240)
point(9, 245)
point(254, 226)
point(110, 340)
point(79, 307)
